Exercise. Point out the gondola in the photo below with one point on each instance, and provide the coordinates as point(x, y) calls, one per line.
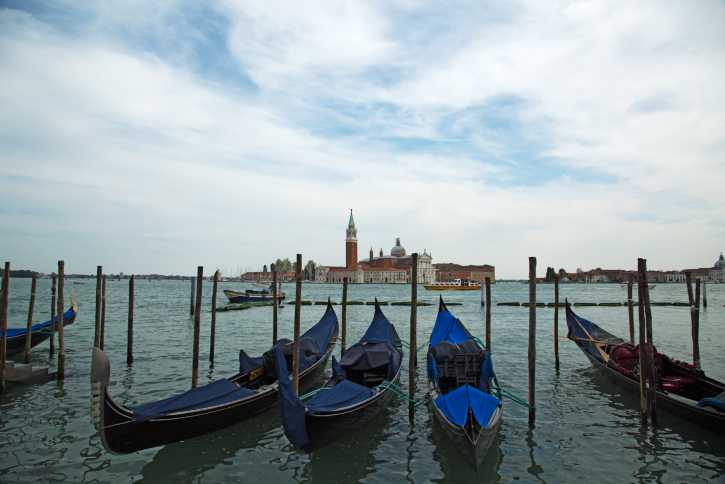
point(353, 395)
point(680, 388)
point(460, 377)
point(39, 332)
point(211, 407)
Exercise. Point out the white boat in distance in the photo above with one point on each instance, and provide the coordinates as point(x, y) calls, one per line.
point(624, 285)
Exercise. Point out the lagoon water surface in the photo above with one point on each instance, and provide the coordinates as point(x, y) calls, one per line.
point(586, 429)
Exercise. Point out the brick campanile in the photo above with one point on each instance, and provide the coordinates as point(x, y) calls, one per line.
point(351, 243)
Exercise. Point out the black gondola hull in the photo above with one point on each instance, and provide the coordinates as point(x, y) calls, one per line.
point(686, 408)
point(323, 429)
point(702, 416)
point(16, 344)
point(471, 443)
point(121, 435)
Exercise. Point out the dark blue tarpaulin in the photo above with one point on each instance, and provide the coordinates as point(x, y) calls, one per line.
point(455, 405)
point(344, 394)
point(379, 330)
point(578, 326)
point(215, 393)
point(375, 349)
point(248, 363)
point(370, 356)
point(309, 354)
point(18, 331)
point(447, 328)
point(337, 372)
point(291, 409)
point(320, 333)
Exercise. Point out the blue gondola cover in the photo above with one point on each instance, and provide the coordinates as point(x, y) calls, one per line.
point(447, 328)
point(338, 373)
point(320, 333)
point(344, 394)
point(248, 363)
point(18, 331)
point(291, 409)
point(215, 393)
point(379, 330)
point(455, 405)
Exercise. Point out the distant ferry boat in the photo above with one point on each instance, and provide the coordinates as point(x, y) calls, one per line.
point(458, 285)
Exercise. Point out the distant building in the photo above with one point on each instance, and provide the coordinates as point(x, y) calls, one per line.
point(717, 273)
point(449, 272)
point(395, 268)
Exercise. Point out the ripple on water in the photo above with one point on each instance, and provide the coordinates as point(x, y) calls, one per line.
point(586, 428)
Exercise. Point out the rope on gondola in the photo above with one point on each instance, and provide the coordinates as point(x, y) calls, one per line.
point(500, 392)
point(399, 391)
point(480, 342)
point(405, 344)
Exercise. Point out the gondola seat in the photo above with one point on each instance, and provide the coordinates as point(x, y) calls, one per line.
point(457, 364)
point(628, 357)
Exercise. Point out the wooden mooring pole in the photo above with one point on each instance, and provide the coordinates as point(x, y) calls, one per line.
point(99, 303)
point(30, 319)
point(129, 350)
point(274, 305)
point(197, 329)
point(4, 325)
point(343, 346)
point(413, 358)
point(704, 294)
point(103, 313)
point(556, 322)
point(641, 281)
point(296, 347)
point(695, 320)
point(213, 316)
point(61, 310)
point(532, 338)
point(488, 313)
point(193, 286)
point(651, 393)
point(630, 308)
point(53, 324)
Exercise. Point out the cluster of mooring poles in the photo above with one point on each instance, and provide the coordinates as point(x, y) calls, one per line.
point(56, 305)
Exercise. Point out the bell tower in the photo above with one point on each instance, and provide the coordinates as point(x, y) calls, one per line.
point(351, 243)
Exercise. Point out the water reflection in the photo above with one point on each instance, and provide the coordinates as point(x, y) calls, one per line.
point(454, 466)
point(189, 461)
point(351, 458)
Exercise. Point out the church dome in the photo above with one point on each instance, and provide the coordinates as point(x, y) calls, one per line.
point(720, 264)
point(398, 250)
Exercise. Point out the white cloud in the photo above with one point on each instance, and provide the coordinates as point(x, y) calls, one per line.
point(162, 168)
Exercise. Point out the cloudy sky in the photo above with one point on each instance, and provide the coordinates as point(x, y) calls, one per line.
point(152, 137)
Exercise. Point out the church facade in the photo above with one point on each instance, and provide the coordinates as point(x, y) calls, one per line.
point(395, 268)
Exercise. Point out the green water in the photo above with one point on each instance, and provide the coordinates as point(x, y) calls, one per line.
point(586, 428)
